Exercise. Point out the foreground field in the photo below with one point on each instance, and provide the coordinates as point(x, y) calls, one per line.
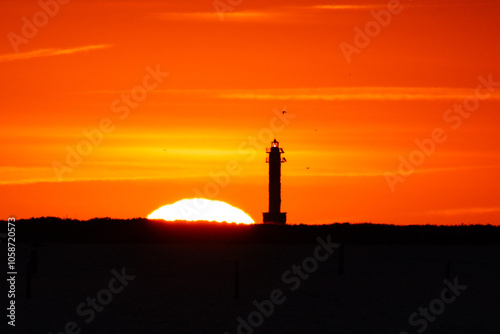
point(190, 288)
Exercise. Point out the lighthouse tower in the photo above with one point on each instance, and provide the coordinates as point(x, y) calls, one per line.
point(275, 160)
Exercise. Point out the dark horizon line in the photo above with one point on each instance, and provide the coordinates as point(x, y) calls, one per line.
point(180, 221)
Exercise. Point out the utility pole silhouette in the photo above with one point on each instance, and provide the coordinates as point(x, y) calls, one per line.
point(275, 216)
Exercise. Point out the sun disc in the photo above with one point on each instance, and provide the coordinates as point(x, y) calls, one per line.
point(196, 209)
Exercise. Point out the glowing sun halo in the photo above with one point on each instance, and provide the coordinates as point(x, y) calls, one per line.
point(195, 209)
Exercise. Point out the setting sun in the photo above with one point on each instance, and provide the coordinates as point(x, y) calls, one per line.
point(200, 209)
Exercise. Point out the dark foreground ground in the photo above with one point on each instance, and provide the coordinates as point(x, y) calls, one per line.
point(140, 230)
point(254, 279)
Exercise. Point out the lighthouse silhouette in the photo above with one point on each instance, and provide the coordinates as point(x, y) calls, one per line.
point(275, 216)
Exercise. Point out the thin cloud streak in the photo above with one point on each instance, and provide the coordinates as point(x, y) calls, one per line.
point(462, 211)
point(381, 5)
point(214, 16)
point(331, 93)
point(358, 93)
point(349, 7)
point(89, 179)
point(448, 169)
point(272, 13)
point(383, 173)
point(50, 52)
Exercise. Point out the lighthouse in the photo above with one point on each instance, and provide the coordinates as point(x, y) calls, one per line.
point(275, 160)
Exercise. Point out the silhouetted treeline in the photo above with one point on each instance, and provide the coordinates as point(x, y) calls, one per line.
point(142, 230)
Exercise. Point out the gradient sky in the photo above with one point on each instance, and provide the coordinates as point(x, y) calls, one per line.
point(350, 120)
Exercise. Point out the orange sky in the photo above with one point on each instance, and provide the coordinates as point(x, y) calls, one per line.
point(351, 117)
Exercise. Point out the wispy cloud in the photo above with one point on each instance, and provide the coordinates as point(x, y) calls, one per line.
point(28, 181)
point(325, 93)
point(264, 14)
point(214, 16)
point(462, 211)
point(335, 93)
point(288, 14)
point(50, 52)
point(357, 93)
point(365, 6)
point(349, 7)
point(382, 173)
